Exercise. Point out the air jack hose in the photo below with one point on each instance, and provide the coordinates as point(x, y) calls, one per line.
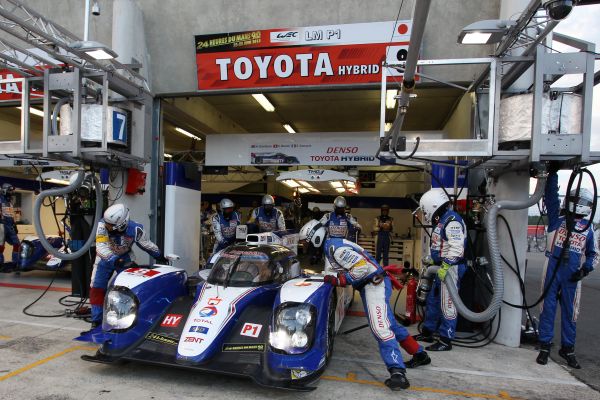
point(59, 192)
point(495, 256)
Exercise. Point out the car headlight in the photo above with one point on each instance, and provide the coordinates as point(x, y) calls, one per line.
point(26, 250)
point(120, 309)
point(293, 328)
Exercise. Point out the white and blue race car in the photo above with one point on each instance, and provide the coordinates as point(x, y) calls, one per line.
point(252, 314)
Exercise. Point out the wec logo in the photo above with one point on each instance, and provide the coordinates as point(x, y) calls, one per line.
point(287, 35)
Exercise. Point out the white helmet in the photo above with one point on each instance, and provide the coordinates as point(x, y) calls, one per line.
point(313, 232)
point(431, 201)
point(582, 204)
point(268, 199)
point(7, 189)
point(117, 215)
point(225, 203)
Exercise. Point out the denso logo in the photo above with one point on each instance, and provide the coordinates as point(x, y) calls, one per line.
point(285, 36)
point(342, 150)
point(379, 315)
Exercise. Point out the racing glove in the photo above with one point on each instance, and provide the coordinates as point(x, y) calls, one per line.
point(339, 280)
point(578, 275)
point(162, 260)
point(443, 271)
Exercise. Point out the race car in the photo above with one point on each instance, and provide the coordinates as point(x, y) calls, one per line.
point(252, 314)
point(273, 158)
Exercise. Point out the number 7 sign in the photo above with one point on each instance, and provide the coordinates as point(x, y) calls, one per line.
point(119, 127)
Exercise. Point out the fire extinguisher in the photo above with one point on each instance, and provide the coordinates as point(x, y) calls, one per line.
point(411, 300)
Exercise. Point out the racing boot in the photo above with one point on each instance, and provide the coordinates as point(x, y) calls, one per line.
point(542, 358)
point(425, 336)
point(397, 379)
point(444, 344)
point(421, 358)
point(568, 353)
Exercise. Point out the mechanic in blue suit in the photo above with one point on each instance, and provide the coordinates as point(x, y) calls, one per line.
point(566, 285)
point(8, 228)
point(337, 222)
point(115, 236)
point(357, 268)
point(448, 242)
point(384, 226)
point(267, 217)
point(224, 224)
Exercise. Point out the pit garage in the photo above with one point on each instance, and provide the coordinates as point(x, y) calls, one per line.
point(182, 221)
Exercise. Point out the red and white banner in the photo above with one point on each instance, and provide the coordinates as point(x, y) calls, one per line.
point(308, 56)
point(11, 90)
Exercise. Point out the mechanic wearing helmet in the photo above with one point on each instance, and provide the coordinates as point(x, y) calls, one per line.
point(565, 283)
point(224, 225)
point(267, 217)
point(8, 228)
point(359, 269)
point(337, 221)
point(383, 225)
point(115, 237)
point(448, 241)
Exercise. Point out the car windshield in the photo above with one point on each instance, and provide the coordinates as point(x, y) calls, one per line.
point(241, 269)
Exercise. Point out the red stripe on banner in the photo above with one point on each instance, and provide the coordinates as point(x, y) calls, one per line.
point(36, 287)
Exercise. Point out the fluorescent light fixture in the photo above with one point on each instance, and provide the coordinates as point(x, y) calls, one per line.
point(476, 38)
point(305, 184)
point(291, 183)
point(95, 50)
point(167, 155)
point(388, 126)
point(485, 32)
point(37, 112)
point(314, 190)
point(57, 181)
point(340, 190)
point(186, 133)
point(264, 102)
point(303, 190)
point(350, 184)
point(390, 98)
point(336, 184)
point(289, 128)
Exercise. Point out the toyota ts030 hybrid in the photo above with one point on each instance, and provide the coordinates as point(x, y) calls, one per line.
point(252, 314)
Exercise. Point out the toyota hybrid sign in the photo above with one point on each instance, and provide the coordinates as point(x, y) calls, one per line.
point(309, 56)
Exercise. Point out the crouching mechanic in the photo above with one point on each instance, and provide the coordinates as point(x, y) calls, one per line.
point(565, 269)
point(448, 241)
point(8, 228)
point(115, 236)
point(224, 225)
point(359, 269)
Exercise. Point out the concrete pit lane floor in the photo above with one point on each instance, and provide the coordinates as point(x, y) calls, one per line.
point(40, 361)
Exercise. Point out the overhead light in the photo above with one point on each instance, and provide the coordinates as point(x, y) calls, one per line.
point(167, 155)
point(37, 112)
point(93, 49)
point(305, 184)
point(57, 181)
point(303, 190)
point(289, 128)
point(350, 184)
point(388, 126)
point(390, 98)
point(340, 190)
point(264, 102)
point(291, 183)
point(336, 184)
point(186, 133)
point(485, 32)
point(314, 190)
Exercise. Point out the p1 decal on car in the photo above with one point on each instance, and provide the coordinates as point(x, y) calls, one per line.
point(251, 330)
point(171, 320)
point(244, 348)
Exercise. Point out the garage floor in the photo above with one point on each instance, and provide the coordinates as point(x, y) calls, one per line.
point(39, 360)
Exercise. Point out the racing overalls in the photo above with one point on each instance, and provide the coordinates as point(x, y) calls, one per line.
point(561, 288)
point(267, 223)
point(384, 238)
point(113, 253)
point(337, 225)
point(364, 273)
point(448, 242)
point(8, 230)
point(224, 229)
